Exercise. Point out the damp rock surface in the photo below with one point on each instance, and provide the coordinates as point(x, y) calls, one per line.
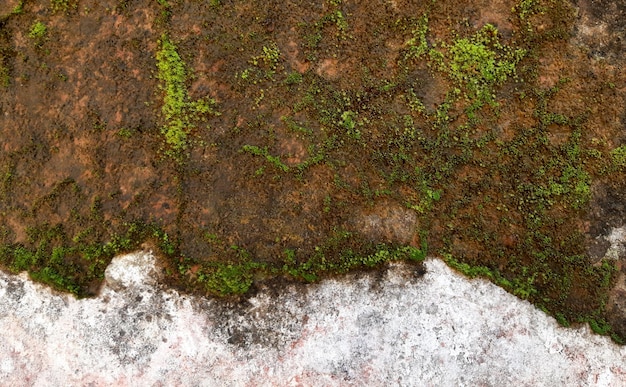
point(361, 329)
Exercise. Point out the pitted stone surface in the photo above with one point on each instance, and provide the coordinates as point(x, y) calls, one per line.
point(401, 329)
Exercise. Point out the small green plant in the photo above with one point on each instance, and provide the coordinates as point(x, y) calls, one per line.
point(599, 326)
point(319, 265)
point(269, 58)
point(428, 194)
point(349, 123)
point(259, 172)
point(179, 114)
point(293, 78)
point(18, 9)
point(271, 55)
point(336, 17)
point(476, 65)
point(295, 127)
point(265, 65)
point(415, 103)
point(619, 157)
point(327, 204)
point(229, 278)
point(125, 133)
point(521, 286)
point(418, 45)
point(38, 32)
point(63, 5)
point(274, 160)
point(525, 9)
point(341, 23)
point(166, 245)
point(480, 63)
point(64, 265)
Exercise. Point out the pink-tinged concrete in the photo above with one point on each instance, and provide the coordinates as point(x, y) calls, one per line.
point(399, 329)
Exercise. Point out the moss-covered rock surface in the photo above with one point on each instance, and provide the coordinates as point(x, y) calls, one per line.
point(246, 141)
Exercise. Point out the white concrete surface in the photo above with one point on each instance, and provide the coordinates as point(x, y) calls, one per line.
point(396, 329)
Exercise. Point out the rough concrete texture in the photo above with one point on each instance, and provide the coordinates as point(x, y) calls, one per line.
point(395, 329)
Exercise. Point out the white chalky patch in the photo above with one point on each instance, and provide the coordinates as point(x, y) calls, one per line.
point(439, 329)
point(617, 238)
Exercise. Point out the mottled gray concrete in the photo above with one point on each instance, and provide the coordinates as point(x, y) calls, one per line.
point(440, 329)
